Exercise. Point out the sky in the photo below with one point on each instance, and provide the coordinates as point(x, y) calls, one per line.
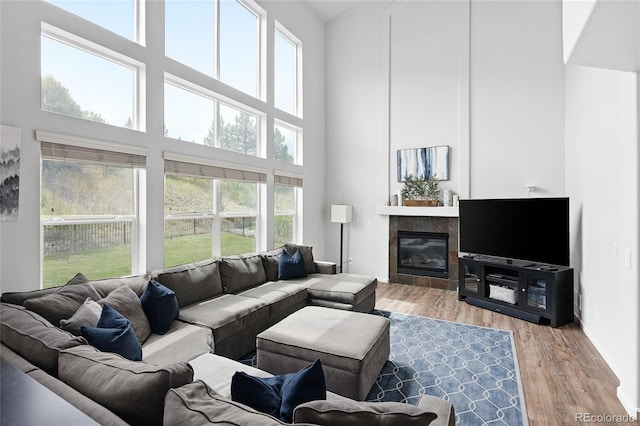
point(106, 88)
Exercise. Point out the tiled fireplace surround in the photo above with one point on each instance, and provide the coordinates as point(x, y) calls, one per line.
point(424, 224)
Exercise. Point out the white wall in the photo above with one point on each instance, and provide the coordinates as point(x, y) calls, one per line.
point(516, 100)
point(424, 68)
point(20, 107)
point(602, 181)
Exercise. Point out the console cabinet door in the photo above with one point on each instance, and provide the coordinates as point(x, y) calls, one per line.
point(537, 294)
point(471, 282)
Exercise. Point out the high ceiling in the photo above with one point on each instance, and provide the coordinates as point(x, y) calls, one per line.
point(329, 9)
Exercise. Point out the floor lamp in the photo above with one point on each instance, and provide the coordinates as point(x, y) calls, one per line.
point(341, 213)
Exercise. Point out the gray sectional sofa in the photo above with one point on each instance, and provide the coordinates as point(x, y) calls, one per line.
point(224, 303)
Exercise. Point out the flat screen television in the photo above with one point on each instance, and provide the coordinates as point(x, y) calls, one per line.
point(527, 229)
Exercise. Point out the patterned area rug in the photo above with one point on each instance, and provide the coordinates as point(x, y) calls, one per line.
point(474, 368)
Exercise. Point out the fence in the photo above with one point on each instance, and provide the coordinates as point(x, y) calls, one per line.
point(65, 238)
point(71, 238)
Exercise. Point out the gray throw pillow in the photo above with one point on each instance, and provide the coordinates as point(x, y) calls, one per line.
point(64, 302)
point(347, 412)
point(127, 303)
point(193, 282)
point(133, 390)
point(136, 282)
point(270, 263)
point(307, 255)
point(197, 404)
point(241, 272)
point(33, 337)
point(87, 315)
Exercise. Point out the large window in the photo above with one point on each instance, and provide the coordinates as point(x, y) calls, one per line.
point(287, 67)
point(217, 93)
point(84, 81)
point(118, 16)
point(198, 117)
point(287, 142)
point(209, 211)
point(89, 213)
point(287, 203)
point(239, 46)
point(224, 39)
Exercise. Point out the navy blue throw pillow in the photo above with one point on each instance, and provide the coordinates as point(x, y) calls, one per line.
point(290, 267)
point(113, 333)
point(160, 305)
point(278, 396)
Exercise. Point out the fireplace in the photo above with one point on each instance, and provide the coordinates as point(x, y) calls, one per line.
point(423, 253)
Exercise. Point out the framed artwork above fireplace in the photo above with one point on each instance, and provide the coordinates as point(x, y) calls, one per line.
point(424, 162)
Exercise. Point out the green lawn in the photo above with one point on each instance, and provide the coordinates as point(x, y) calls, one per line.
point(116, 261)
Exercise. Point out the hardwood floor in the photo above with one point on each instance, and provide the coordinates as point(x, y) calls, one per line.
point(562, 373)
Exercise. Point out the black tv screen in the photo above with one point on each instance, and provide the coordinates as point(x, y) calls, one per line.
point(528, 229)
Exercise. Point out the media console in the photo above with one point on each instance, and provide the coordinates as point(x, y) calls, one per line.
point(526, 290)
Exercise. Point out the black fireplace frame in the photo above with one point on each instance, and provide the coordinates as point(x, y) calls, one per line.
point(422, 270)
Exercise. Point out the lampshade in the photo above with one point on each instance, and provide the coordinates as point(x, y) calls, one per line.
point(341, 213)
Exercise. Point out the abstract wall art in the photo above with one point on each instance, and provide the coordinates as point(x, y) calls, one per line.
point(9, 173)
point(424, 162)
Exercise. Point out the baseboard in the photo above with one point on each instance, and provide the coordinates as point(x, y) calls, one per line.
point(629, 408)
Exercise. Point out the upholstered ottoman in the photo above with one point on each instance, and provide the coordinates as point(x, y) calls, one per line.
point(352, 347)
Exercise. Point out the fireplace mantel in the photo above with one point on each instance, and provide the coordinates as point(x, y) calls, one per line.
point(417, 211)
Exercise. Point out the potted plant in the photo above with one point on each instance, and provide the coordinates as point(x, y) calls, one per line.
point(418, 191)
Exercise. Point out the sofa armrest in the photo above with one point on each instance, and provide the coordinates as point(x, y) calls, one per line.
point(444, 410)
point(325, 267)
point(347, 412)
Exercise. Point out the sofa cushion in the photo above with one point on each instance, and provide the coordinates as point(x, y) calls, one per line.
point(133, 390)
point(270, 263)
point(88, 314)
point(160, 305)
point(91, 408)
point(137, 283)
point(114, 334)
point(33, 337)
point(280, 296)
point(226, 315)
point(197, 404)
point(193, 282)
point(217, 372)
point(307, 254)
point(280, 395)
point(349, 289)
point(63, 303)
point(18, 297)
point(241, 272)
point(291, 266)
point(126, 302)
point(347, 412)
point(183, 342)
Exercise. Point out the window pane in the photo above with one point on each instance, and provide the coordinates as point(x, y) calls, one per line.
point(238, 130)
point(187, 195)
point(79, 189)
point(188, 116)
point(285, 213)
point(238, 208)
point(285, 74)
point(285, 144)
point(238, 47)
point(84, 85)
point(101, 248)
point(116, 16)
point(187, 238)
point(189, 33)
